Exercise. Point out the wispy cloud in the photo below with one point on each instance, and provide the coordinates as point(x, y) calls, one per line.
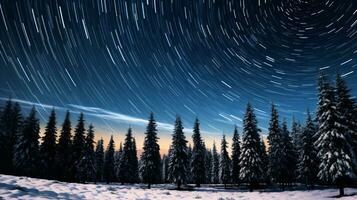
point(103, 114)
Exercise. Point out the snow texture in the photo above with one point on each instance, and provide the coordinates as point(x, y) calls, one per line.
point(12, 187)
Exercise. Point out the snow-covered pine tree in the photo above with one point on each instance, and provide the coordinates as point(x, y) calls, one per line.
point(308, 163)
point(347, 107)
point(265, 161)
point(78, 145)
point(224, 163)
point(276, 146)
point(178, 162)
point(334, 151)
point(108, 169)
point(150, 167)
point(99, 159)
point(26, 158)
point(215, 165)
point(251, 164)
point(64, 151)
point(208, 164)
point(10, 128)
point(289, 157)
point(296, 134)
point(198, 168)
point(127, 171)
point(48, 148)
point(235, 156)
point(86, 167)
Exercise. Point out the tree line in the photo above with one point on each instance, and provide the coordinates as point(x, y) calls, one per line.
point(321, 151)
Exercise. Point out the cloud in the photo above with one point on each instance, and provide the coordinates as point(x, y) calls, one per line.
point(103, 114)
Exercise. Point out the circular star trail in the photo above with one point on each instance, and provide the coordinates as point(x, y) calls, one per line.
point(204, 58)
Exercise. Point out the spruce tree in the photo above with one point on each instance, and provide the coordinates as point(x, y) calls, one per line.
point(134, 163)
point(128, 161)
point(117, 160)
point(224, 163)
point(296, 132)
point(198, 168)
point(235, 156)
point(276, 146)
point(334, 152)
point(208, 164)
point(5, 135)
point(346, 106)
point(26, 158)
point(10, 128)
point(308, 163)
point(178, 157)
point(86, 167)
point(99, 159)
point(165, 167)
point(215, 165)
point(289, 157)
point(48, 148)
point(189, 158)
point(265, 163)
point(64, 151)
point(78, 145)
point(150, 168)
point(108, 169)
point(251, 170)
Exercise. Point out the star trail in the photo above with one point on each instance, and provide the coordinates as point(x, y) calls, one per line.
point(121, 59)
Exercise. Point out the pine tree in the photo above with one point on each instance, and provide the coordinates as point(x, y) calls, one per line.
point(307, 166)
point(334, 152)
point(289, 157)
point(296, 132)
point(99, 159)
point(10, 128)
point(117, 160)
point(64, 150)
point(134, 163)
point(224, 163)
point(128, 161)
point(276, 146)
point(26, 158)
point(78, 145)
point(235, 156)
point(5, 135)
point(48, 148)
point(86, 167)
point(165, 167)
point(150, 158)
point(346, 106)
point(208, 164)
point(265, 162)
point(215, 165)
point(251, 170)
point(108, 170)
point(178, 157)
point(198, 169)
point(189, 158)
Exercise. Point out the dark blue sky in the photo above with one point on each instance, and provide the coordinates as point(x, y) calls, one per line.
point(204, 58)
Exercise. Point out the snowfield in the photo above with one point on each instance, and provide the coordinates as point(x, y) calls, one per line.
point(12, 187)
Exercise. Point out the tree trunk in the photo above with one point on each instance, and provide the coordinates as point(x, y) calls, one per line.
point(198, 185)
point(250, 187)
point(149, 185)
point(342, 191)
point(225, 186)
point(179, 184)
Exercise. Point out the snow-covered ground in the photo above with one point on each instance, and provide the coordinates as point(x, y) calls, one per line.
point(12, 187)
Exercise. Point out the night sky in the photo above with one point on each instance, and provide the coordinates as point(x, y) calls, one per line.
point(118, 60)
